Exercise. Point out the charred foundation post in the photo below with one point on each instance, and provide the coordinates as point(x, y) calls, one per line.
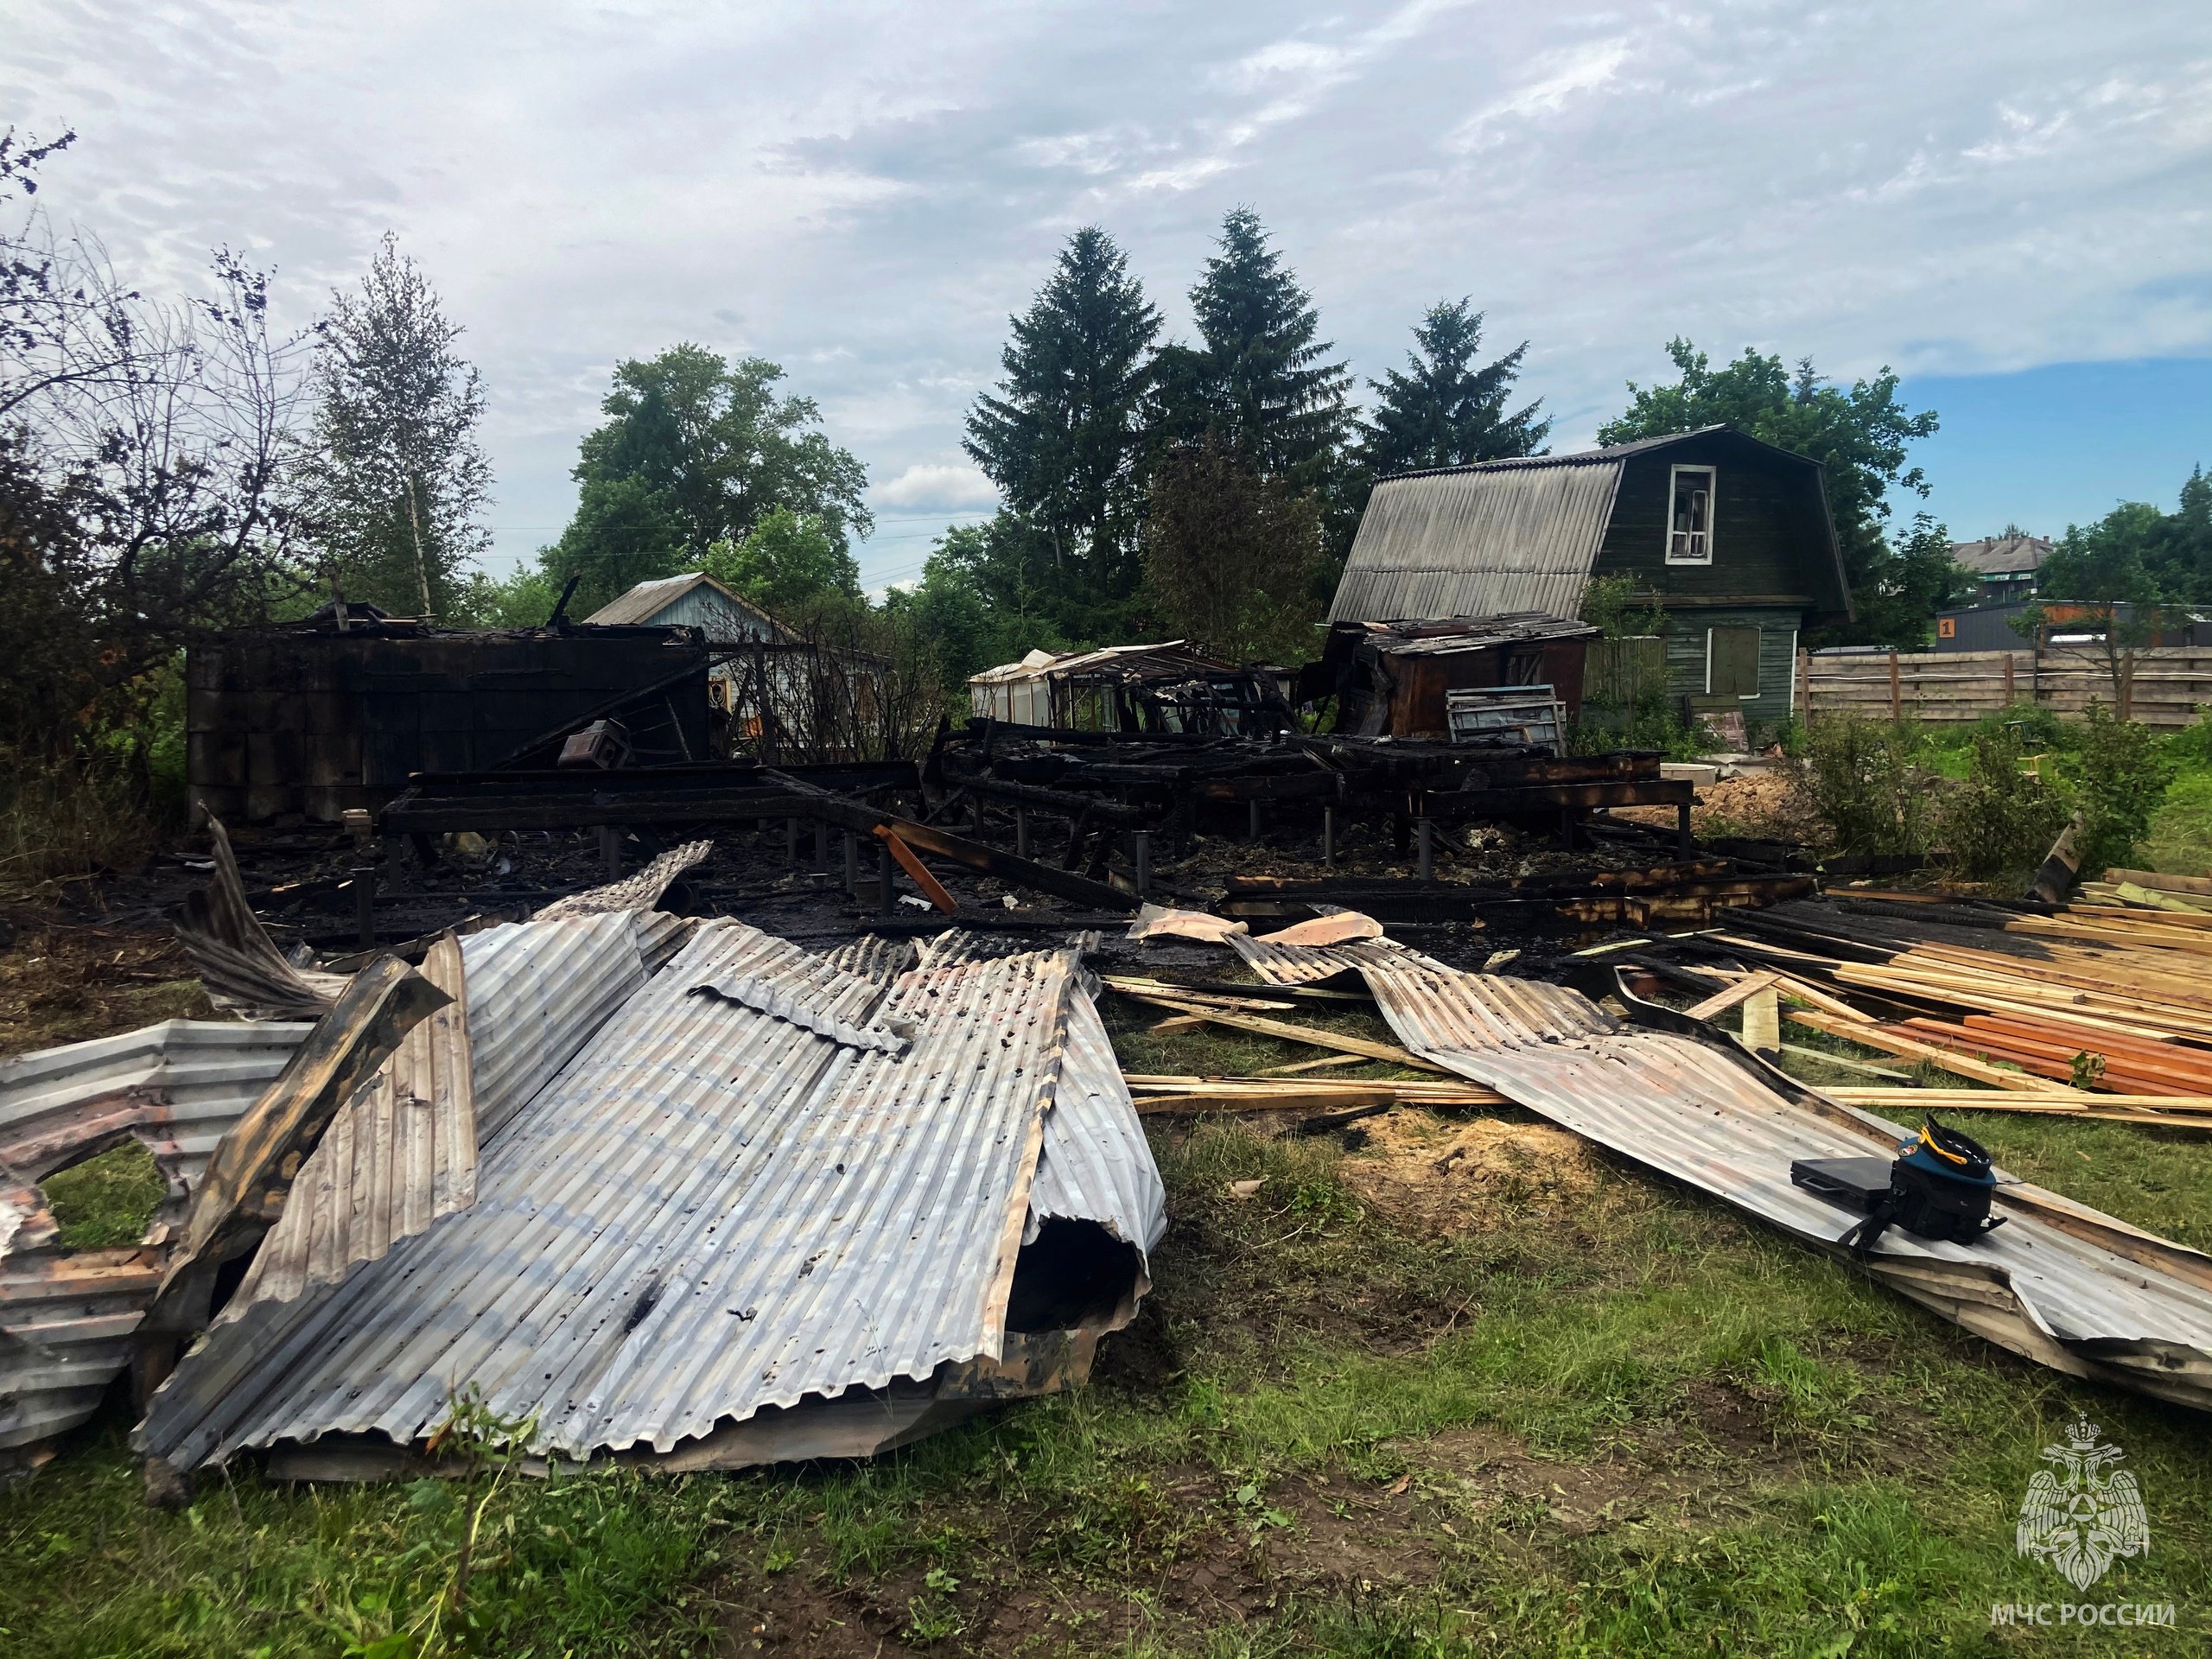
point(364, 875)
point(790, 842)
point(1425, 847)
point(1140, 861)
point(1329, 836)
point(610, 851)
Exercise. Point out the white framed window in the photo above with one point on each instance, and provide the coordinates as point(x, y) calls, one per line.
point(1690, 493)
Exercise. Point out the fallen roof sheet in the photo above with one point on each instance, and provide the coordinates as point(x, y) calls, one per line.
point(236, 959)
point(537, 992)
point(2063, 1284)
point(400, 1152)
point(1301, 965)
point(641, 891)
point(66, 1318)
point(713, 1212)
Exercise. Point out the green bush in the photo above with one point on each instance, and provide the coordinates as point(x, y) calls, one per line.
point(1863, 778)
point(1999, 817)
point(2191, 746)
point(2123, 772)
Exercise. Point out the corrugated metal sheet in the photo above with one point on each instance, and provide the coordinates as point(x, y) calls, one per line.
point(66, 1317)
point(537, 992)
point(177, 1086)
point(237, 961)
point(713, 1211)
point(2059, 1283)
point(400, 1153)
point(1479, 542)
point(641, 891)
point(1096, 1165)
point(1302, 964)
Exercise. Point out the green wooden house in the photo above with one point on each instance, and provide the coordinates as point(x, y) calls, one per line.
point(1731, 536)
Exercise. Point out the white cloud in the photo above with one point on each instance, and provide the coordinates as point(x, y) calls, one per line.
point(1561, 78)
point(927, 487)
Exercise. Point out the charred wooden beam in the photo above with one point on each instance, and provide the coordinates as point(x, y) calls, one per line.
point(959, 849)
point(1064, 802)
point(416, 812)
point(1460, 803)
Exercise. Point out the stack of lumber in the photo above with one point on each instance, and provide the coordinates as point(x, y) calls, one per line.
point(2189, 895)
point(2055, 1009)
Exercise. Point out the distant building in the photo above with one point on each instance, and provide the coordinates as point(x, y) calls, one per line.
point(1732, 535)
point(1166, 687)
point(2005, 566)
point(787, 697)
point(2003, 627)
point(696, 599)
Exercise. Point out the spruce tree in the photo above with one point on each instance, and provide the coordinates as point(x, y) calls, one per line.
point(393, 479)
point(1263, 379)
point(1060, 440)
point(1444, 411)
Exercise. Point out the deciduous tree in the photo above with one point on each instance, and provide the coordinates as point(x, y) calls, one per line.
point(786, 563)
point(722, 446)
point(392, 477)
point(140, 463)
point(1231, 555)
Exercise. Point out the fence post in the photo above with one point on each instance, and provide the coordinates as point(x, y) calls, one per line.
point(1897, 694)
point(2008, 681)
point(1801, 702)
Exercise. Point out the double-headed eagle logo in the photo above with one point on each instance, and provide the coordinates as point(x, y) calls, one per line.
point(2084, 1514)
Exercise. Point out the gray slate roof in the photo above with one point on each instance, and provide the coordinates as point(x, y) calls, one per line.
point(725, 615)
point(2003, 555)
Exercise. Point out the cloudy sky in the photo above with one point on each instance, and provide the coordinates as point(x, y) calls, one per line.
point(2011, 203)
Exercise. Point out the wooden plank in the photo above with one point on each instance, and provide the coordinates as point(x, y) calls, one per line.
point(2161, 881)
point(1890, 1042)
point(1721, 1001)
point(1550, 798)
point(933, 889)
point(2109, 1109)
point(1309, 1065)
point(958, 849)
point(1265, 1027)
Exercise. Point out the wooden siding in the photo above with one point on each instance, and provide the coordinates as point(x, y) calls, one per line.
point(725, 623)
point(1686, 646)
point(1770, 537)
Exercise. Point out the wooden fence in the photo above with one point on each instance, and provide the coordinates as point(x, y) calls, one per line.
point(2169, 684)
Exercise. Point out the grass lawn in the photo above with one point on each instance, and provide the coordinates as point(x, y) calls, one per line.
point(1468, 1388)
